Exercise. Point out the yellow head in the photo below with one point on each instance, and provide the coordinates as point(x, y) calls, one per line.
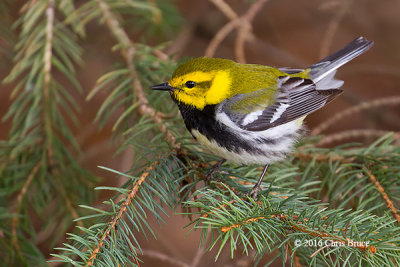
point(208, 81)
point(202, 81)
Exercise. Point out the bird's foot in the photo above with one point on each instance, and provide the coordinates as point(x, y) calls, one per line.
point(254, 192)
point(214, 169)
point(257, 187)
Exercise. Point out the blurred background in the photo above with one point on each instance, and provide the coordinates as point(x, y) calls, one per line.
point(286, 33)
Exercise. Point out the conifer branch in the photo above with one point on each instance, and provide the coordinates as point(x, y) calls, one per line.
point(300, 228)
point(220, 207)
point(47, 67)
point(38, 163)
point(20, 199)
point(317, 193)
point(68, 203)
point(128, 52)
point(156, 183)
point(123, 208)
point(48, 50)
point(266, 215)
point(388, 201)
point(280, 216)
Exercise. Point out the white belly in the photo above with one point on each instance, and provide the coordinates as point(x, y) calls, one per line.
point(284, 137)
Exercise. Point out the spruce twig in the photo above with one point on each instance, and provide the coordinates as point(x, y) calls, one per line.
point(388, 201)
point(37, 159)
point(317, 193)
point(20, 199)
point(123, 209)
point(128, 51)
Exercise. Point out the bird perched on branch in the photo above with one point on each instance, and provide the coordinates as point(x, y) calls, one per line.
point(249, 113)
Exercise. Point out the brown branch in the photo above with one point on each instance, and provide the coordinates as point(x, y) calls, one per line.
point(319, 250)
point(163, 257)
point(243, 23)
point(128, 52)
point(225, 9)
point(120, 213)
point(114, 25)
point(48, 53)
point(225, 229)
point(20, 198)
point(243, 31)
point(200, 252)
point(226, 29)
point(46, 120)
point(323, 157)
point(385, 101)
point(332, 28)
point(68, 202)
point(220, 36)
point(381, 190)
point(27, 6)
point(365, 133)
point(246, 260)
point(161, 55)
point(258, 44)
point(245, 28)
point(48, 48)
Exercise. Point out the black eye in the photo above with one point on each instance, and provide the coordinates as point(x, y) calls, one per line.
point(190, 84)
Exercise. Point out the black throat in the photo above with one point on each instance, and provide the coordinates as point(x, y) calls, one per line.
point(205, 122)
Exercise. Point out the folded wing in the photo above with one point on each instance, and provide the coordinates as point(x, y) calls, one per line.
point(296, 97)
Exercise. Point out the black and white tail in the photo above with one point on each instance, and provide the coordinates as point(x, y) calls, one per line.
point(322, 73)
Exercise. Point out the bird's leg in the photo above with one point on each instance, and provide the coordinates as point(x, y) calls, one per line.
point(213, 170)
point(257, 187)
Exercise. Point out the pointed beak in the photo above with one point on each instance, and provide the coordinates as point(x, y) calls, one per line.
point(163, 87)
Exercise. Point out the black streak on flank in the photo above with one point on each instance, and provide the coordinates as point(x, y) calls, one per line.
point(204, 121)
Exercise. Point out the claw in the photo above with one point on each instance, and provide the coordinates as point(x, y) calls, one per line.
point(254, 192)
point(257, 187)
point(210, 174)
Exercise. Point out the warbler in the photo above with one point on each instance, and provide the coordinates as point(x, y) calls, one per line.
point(248, 113)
